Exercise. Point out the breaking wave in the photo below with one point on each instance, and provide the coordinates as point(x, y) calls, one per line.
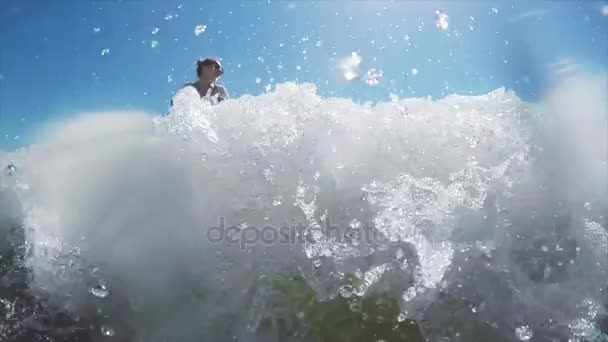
point(488, 216)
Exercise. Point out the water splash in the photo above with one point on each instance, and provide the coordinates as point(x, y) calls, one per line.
point(372, 77)
point(349, 66)
point(441, 20)
point(199, 30)
point(456, 191)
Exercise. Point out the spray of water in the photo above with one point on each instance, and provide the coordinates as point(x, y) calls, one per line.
point(483, 203)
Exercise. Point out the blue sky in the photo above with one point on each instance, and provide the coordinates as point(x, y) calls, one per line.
point(51, 64)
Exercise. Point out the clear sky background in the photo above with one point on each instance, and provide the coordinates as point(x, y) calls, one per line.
point(52, 66)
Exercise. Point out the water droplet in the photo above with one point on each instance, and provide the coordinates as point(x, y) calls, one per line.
point(495, 10)
point(100, 291)
point(399, 254)
point(153, 44)
point(300, 315)
point(355, 306)
point(524, 333)
point(169, 16)
point(402, 317)
point(317, 263)
point(441, 20)
point(409, 294)
point(318, 43)
point(155, 30)
point(544, 248)
point(605, 10)
point(277, 201)
point(258, 80)
point(105, 51)
point(107, 331)
point(587, 206)
point(373, 76)
point(169, 79)
point(10, 169)
point(349, 66)
point(96, 29)
point(269, 175)
point(346, 291)
point(199, 29)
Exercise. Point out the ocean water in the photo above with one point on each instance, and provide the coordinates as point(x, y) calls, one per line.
point(346, 210)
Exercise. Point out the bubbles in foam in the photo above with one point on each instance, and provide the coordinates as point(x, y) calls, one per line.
point(346, 291)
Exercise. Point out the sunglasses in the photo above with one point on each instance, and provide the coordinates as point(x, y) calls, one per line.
point(215, 66)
